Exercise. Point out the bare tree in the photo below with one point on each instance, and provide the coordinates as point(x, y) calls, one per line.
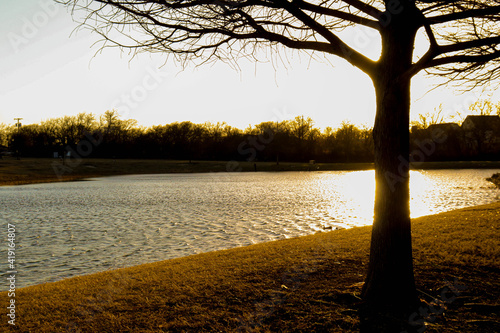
point(463, 46)
point(5, 134)
point(429, 118)
point(484, 107)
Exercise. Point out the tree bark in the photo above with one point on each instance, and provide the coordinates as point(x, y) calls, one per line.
point(389, 293)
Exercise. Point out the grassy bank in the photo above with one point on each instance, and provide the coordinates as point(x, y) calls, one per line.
point(40, 170)
point(303, 284)
point(31, 170)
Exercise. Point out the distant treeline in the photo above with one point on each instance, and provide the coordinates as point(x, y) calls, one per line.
point(294, 140)
point(108, 136)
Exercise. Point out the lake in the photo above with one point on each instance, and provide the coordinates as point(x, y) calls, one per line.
point(75, 228)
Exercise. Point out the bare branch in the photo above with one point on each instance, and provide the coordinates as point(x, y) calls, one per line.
point(365, 8)
point(339, 48)
point(475, 60)
point(337, 13)
point(196, 26)
point(483, 12)
point(464, 39)
point(459, 32)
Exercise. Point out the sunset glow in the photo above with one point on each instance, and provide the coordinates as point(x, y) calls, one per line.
point(62, 74)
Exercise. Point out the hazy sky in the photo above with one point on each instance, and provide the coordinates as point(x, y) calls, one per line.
point(46, 71)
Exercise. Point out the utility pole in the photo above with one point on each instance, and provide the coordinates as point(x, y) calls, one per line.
point(18, 125)
point(277, 145)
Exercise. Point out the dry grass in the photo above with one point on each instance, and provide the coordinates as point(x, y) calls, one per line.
point(303, 284)
point(42, 170)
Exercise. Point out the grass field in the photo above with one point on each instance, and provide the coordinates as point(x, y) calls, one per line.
point(305, 284)
point(40, 170)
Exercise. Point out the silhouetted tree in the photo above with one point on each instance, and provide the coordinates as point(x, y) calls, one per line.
point(302, 131)
point(109, 120)
point(226, 29)
point(347, 139)
point(429, 118)
point(484, 107)
point(26, 140)
point(5, 134)
point(116, 134)
point(327, 144)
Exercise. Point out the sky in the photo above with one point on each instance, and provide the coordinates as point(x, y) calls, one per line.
point(48, 70)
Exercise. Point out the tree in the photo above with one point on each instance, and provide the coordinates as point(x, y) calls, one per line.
point(463, 45)
point(5, 134)
point(302, 136)
point(484, 107)
point(109, 120)
point(481, 107)
point(351, 143)
point(427, 119)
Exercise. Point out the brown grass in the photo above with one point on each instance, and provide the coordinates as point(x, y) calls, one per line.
point(42, 170)
point(304, 284)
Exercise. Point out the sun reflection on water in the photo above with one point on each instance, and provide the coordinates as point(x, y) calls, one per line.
point(351, 193)
point(420, 184)
point(356, 192)
point(83, 227)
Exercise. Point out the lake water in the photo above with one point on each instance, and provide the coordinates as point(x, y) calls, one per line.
point(75, 228)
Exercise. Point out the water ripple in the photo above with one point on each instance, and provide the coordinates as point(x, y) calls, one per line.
point(68, 229)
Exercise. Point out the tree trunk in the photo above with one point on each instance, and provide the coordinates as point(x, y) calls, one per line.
point(389, 293)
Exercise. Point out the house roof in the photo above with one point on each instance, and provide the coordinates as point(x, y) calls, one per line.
point(485, 123)
point(445, 126)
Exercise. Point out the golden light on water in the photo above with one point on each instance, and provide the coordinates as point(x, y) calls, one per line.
point(359, 188)
point(349, 196)
point(354, 193)
point(145, 218)
point(419, 187)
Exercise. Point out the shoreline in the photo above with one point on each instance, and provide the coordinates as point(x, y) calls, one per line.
point(43, 170)
point(308, 283)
